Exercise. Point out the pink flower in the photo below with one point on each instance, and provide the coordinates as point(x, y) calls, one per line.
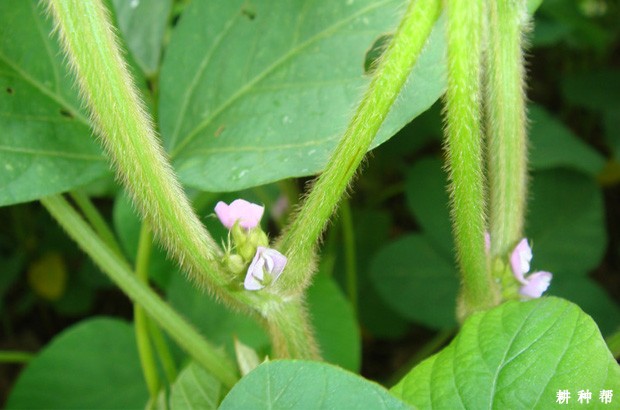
point(535, 284)
point(247, 213)
point(266, 266)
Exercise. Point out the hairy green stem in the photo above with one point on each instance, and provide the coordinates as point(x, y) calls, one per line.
point(300, 240)
point(209, 356)
point(506, 123)
point(119, 117)
point(292, 337)
point(464, 148)
point(145, 348)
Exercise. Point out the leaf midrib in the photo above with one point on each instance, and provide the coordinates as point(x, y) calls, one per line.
point(268, 70)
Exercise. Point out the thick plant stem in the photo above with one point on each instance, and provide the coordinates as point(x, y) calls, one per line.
point(506, 123)
point(464, 148)
point(292, 339)
point(209, 356)
point(300, 240)
point(120, 119)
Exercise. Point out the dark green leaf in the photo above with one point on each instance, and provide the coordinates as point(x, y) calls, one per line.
point(566, 223)
point(334, 323)
point(195, 388)
point(427, 198)
point(516, 356)
point(371, 233)
point(252, 93)
point(597, 90)
point(416, 281)
point(46, 144)
point(307, 385)
point(92, 365)
point(554, 145)
point(143, 23)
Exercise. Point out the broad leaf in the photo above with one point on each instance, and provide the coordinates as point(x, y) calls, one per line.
point(413, 277)
point(92, 365)
point(256, 92)
point(307, 385)
point(46, 144)
point(195, 388)
point(516, 356)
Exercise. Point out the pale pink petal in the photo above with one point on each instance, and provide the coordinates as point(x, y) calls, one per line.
point(266, 261)
point(247, 213)
point(520, 260)
point(537, 284)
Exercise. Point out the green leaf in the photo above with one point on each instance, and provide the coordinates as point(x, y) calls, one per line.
point(46, 143)
point(253, 93)
point(195, 388)
point(566, 223)
point(516, 356)
point(92, 365)
point(413, 277)
point(427, 198)
point(554, 145)
point(595, 90)
point(288, 384)
point(590, 297)
point(334, 323)
point(143, 23)
point(372, 230)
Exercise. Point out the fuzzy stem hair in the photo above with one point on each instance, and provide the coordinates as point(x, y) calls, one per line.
point(506, 123)
point(464, 151)
point(300, 240)
point(119, 118)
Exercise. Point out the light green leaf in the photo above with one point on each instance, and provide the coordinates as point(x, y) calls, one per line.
point(413, 278)
point(334, 323)
point(195, 388)
point(143, 23)
point(287, 384)
point(46, 144)
point(92, 365)
point(256, 92)
point(516, 356)
point(553, 145)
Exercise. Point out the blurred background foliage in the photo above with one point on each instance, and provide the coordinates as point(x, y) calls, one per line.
point(389, 252)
